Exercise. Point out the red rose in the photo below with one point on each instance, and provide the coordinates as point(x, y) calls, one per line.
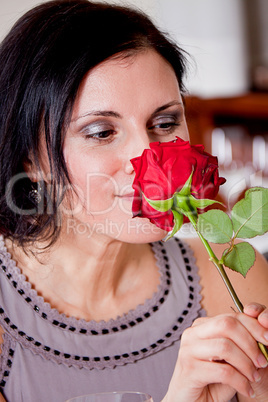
point(163, 170)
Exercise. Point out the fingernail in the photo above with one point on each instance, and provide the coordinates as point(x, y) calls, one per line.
point(253, 307)
point(262, 361)
point(257, 376)
point(266, 335)
point(251, 393)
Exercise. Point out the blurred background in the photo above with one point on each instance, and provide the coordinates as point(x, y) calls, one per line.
point(227, 81)
point(228, 39)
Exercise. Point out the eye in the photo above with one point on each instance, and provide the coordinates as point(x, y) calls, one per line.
point(102, 135)
point(164, 125)
point(98, 132)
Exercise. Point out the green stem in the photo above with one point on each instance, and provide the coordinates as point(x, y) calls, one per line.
point(218, 265)
point(192, 218)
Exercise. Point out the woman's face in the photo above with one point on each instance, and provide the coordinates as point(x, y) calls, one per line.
point(123, 104)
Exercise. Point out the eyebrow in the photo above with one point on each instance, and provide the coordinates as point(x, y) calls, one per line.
point(110, 113)
point(106, 113)
point(166, 106)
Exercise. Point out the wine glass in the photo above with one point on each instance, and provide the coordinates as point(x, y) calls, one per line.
point(117, 396)
point(233, 146)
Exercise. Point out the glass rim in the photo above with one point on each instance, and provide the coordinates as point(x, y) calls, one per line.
point(148, 396)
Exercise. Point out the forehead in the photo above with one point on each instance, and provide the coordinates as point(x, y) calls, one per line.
point(120, 81)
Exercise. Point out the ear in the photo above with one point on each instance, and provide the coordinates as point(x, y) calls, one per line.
point(32, 171)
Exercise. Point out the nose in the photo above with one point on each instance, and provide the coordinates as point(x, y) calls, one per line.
point(139, 143)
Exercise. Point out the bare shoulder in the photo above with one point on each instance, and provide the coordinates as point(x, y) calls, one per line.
point(215, 296)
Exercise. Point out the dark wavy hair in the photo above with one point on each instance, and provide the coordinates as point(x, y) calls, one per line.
point(43, 60)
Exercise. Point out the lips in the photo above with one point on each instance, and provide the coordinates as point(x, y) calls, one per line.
point(126, 196)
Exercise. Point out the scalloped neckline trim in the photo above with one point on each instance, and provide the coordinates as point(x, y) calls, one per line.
point(45, 310)
point(191, 310)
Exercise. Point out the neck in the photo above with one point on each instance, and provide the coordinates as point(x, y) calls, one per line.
point(94, 278)
point(100, 264)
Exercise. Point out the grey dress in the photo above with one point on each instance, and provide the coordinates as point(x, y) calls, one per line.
point(48, 357)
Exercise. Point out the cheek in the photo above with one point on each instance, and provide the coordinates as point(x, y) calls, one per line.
point(99, 191)
point(185, 132)
point(93, 183)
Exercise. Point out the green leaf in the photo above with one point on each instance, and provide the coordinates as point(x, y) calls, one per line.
point(240, 258)
point(250, 215)
point(160, 205)
point(215, 226)
point(178, 221)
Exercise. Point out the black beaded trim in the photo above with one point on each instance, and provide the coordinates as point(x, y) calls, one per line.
point(7, 363)
point(6, 372)
point(83, 361)
point(103, 331)
point(90, 362)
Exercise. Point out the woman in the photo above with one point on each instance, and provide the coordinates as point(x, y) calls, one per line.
point(92, 306)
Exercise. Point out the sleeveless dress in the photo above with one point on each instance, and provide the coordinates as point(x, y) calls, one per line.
point(49, 357)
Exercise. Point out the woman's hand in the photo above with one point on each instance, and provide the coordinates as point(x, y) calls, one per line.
point(261, 313)
point(219, 357)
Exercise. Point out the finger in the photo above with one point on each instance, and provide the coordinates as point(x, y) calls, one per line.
point(241, 329)
point(219, 373)
point(254, 309)
point(238, 323)
point(263, 318)
point(259, 332)
point(226, 374)
point(257, 311)
point(225, 351)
